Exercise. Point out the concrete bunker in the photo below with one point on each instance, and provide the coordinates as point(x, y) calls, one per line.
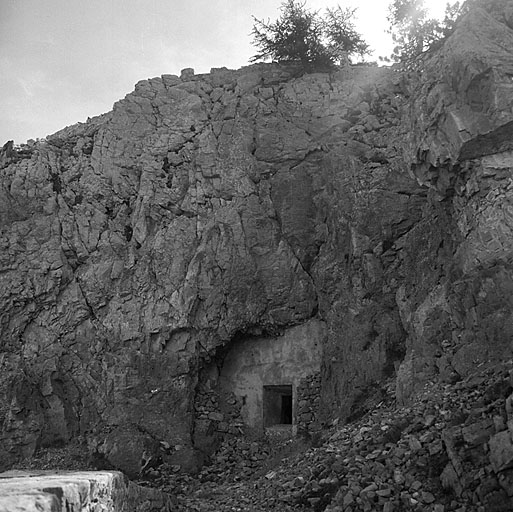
point(271, 376)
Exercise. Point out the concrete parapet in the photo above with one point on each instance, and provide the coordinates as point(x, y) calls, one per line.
point(86, 491)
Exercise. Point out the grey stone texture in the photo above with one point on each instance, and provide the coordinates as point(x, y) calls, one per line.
point(86, 491)
point(206, 208)
point(308, 402)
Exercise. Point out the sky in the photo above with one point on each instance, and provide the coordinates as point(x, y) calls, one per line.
point(62, 61)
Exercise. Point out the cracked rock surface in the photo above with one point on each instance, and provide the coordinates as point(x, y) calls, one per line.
point(206, 208)
point(199, 208)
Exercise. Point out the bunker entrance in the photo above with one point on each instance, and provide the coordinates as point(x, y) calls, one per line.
point(277, 405)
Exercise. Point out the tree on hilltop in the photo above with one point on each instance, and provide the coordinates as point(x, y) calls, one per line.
point(317, 42)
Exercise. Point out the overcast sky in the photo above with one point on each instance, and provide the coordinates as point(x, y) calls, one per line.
point(62, 61)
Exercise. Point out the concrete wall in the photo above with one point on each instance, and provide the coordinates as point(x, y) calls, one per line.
point(78, 491)
point(257, 362)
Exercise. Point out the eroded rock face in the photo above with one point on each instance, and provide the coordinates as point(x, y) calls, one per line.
point(206, 208)
point(199, 209)
point(455, 302)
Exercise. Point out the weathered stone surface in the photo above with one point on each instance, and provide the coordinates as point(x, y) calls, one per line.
point(77, 492)
point(455, 301)
point(132, 245)
point(208, 209)
point(197, 211)
point(501, 451)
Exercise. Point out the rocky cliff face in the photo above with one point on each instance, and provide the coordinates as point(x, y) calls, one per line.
point(207, 208)
point(455, 301)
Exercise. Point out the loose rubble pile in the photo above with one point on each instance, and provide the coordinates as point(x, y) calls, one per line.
point(451, 450)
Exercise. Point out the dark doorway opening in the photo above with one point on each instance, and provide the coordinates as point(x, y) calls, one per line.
point(277, 401)
point(286, 409)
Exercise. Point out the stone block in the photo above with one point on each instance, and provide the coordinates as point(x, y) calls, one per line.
point(478, 433)
point(216, 416)
point(501, 451)
point(450, 480)
point(109, 491)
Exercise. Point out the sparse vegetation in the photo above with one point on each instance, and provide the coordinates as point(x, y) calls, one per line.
point(414, 32)
point(318, 43)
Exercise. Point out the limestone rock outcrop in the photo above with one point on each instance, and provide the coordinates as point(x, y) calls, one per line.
point(208, 208)
point(455, 300)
